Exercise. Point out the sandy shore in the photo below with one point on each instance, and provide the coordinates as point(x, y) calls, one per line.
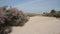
point(39, 25)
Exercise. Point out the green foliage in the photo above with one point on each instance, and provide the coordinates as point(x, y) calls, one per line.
point(53, 13)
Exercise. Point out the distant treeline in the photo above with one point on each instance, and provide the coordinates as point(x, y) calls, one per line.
point(53, 13)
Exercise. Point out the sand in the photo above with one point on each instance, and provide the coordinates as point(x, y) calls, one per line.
point(39, 25)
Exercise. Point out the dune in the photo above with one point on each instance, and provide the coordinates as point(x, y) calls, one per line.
point(39, 25)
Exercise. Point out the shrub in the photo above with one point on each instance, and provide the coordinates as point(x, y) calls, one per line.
point(53, 13)
point(12, 16)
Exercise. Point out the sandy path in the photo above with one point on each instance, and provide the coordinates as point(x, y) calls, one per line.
point(39, 25)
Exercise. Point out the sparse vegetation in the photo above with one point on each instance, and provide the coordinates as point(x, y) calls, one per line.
point(33, 14)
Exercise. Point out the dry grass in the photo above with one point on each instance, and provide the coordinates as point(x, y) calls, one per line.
point(32, 14)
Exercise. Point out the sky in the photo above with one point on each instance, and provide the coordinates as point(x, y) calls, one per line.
point(32, 6)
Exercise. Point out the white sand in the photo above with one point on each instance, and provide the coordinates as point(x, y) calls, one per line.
point(39, 25)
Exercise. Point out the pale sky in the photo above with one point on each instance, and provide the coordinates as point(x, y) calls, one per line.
point(32, 6)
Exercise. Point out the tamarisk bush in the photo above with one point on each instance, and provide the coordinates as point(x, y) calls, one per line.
point(11, 17)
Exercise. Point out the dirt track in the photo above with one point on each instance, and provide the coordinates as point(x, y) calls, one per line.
point(39, 25)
